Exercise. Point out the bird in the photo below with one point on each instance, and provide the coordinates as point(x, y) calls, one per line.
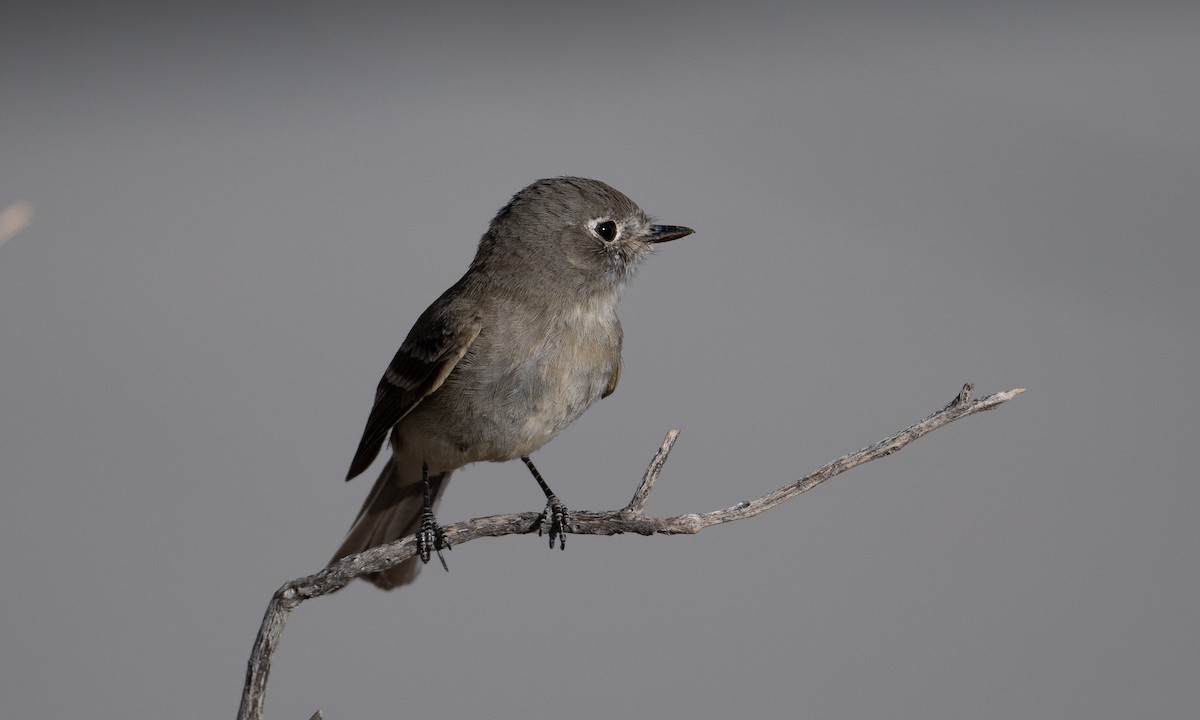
point(504, 360)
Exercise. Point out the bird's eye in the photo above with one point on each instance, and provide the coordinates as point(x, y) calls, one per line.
point(607, 230)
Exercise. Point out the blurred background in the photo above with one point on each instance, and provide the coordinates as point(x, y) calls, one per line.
point(232, 215)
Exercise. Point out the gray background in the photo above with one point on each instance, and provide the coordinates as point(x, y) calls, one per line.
point(240, 212)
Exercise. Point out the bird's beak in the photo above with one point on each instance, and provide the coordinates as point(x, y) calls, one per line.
point(663, 233)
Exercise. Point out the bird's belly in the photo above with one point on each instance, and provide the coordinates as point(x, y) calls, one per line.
point(509, 416)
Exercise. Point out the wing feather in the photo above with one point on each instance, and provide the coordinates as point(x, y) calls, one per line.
point(420, 366)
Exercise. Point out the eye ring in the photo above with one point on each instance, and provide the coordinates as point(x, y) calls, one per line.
point(606, 230)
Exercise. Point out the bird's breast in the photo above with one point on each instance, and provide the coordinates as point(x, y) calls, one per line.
point(516, 390)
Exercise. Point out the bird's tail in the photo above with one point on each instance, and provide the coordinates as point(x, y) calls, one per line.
point(391, 511)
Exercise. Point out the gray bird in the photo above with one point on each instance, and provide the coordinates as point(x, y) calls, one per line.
point(505, 359)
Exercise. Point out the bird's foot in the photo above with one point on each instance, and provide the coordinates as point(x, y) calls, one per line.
point(431, 539)
point(555, 521)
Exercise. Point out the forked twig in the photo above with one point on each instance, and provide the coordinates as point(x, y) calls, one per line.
point(613, 522)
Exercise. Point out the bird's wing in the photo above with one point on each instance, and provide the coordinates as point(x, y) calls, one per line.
point(433, 347)
point(612, 380)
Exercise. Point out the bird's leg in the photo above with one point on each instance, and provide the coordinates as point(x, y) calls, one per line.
point(556, 514)
point(430, 539)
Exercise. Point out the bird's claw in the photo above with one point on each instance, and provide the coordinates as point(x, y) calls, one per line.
point(558, 517)
point(431, 539)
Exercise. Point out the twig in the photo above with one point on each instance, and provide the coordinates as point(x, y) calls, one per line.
point(613, 522)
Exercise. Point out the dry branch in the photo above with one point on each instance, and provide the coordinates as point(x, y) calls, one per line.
point(613, 522)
